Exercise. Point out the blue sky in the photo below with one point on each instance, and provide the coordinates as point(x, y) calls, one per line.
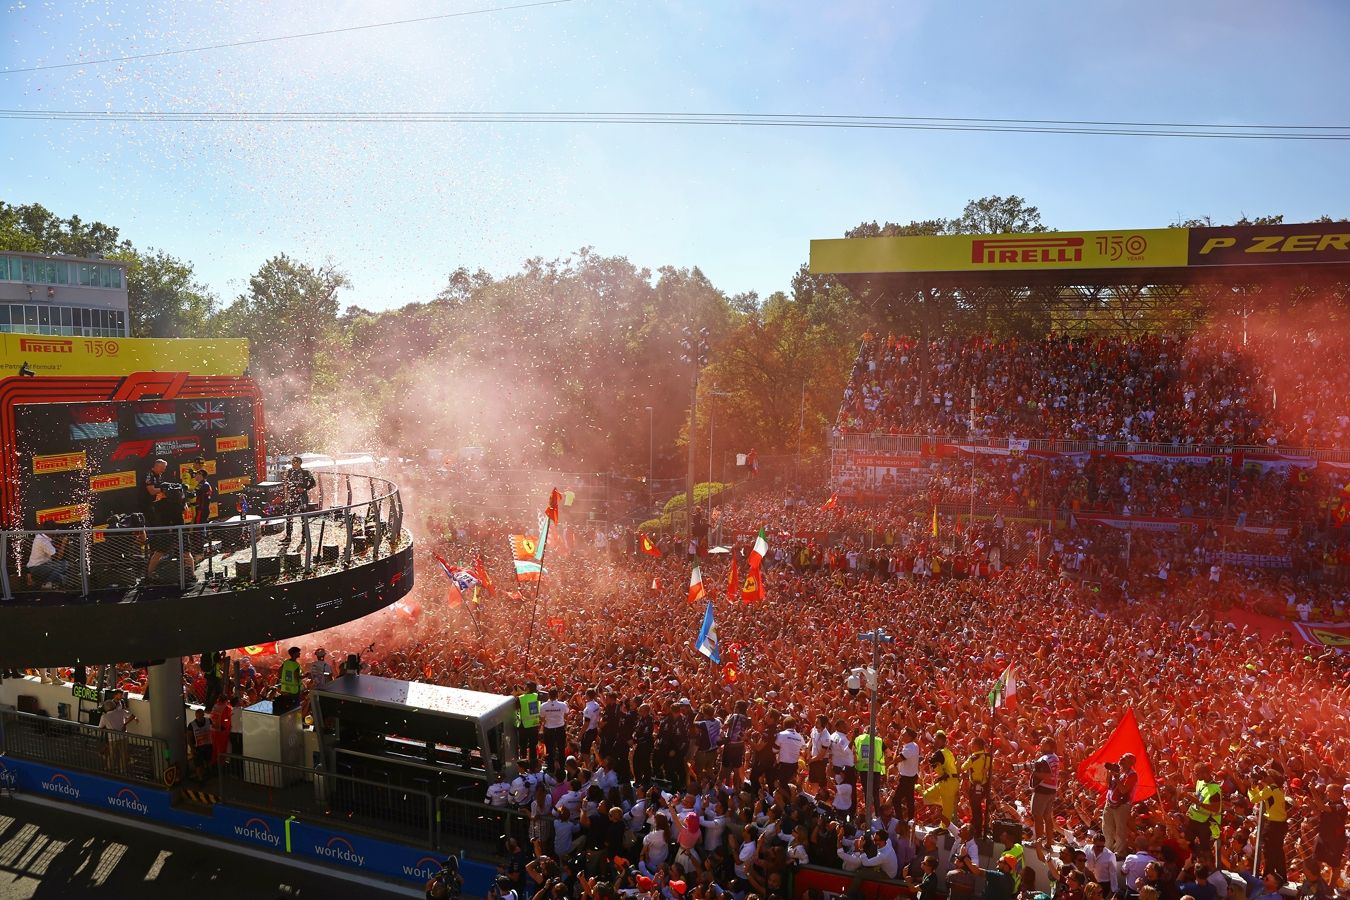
point(400, 206)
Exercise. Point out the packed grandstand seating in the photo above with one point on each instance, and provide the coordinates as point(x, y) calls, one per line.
point(1209, 388)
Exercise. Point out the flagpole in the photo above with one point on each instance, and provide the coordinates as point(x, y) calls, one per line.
point(538, 586)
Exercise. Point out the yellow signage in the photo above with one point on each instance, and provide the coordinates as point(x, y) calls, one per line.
point(226, 444)
point(47, 355)
point(62, 515)
point(58, 462)
point(233, 485)
point(1130, 249)
point(111, 481)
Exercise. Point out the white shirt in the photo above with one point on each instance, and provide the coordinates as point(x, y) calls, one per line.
point(553, 713)
point(320, 672)
point(821, 739)
point(1102, 867)
point(590, 714)
point(499, 794)
point(909, 761)
point(843, 796)
point(1219, 882)
point(841, 751)
point(789, 744)
point(42, 552)
point(116, 719)
point(852, 860)
point(885, 859)
point(1135, 865)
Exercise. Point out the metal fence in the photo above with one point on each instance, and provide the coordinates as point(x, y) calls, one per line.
point(70, 745)
point(376, 807)
point(914, 444)
point(271, 544)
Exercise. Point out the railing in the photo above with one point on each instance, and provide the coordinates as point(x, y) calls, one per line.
point(364, 524)
point(376, 807)
point(70, 745)
point(914, 444)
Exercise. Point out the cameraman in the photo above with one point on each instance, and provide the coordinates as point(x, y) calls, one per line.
point(1120, 787)
point(166, 512)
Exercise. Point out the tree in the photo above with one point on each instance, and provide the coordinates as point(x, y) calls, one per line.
point(288, 314)
point(163, 299)
point(998, 215)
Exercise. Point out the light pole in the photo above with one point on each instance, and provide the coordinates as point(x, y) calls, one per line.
point(877, 636)
point(651, 460)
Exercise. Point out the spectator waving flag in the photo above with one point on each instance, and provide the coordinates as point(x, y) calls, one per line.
point(1004, 691)
point(1126, 738)
point(830, 503)
point(707, 637)
point(552, 512)
point(648, 547)
point(480, 572)
point(753, 587)
point(733, 583)
point(461, 580)
point(758, 552)
point(696, 592)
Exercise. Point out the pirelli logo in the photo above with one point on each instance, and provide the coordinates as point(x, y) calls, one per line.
point(58, 462)
point(112, 481)
point(46, 345)
point(62, 515)
point(234, 485)
point(227, 444)
point(1035, 250)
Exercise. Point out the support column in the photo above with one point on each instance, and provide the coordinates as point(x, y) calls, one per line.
point(168, 720)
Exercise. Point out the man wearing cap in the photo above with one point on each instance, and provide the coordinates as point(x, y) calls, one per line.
point(1120, 788)
point(320, 672)
point(296, 483)
point(1267, 791)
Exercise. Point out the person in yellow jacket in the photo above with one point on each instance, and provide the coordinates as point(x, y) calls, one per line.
point(976, 768)
point(1267, 791)
point(946, 779)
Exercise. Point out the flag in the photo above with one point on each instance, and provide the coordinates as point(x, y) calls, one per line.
point(707, 638)
point(1125, 739)
point(93, 423)
point(542, 544)
point(155, 418)
point(461, 580)
point(830, 503)
point(557, 625)
point(259, 649)
point(523, 547)
point(935, 522)
point(569, 497)
point(696, 592)
point(480, 572)
point(1004, 691)
point(209, 415)
point(758, 552)
point(655, 585)
point(733, 583)
point(553, 498)
point(752, 588)
point(528, 570)
point(648, 547)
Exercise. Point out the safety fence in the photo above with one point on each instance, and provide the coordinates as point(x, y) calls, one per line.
point(273, 542)
point(100, 751)
point(411, 814)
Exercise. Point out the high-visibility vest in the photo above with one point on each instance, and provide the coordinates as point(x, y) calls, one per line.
point(863, 753)
point(289, 680)
point(528, 715)
point(977, 764)
point(1273, 800)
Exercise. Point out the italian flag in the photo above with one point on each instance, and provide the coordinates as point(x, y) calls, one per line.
point(759, 551)
point(1004, 691)
point(696, 592)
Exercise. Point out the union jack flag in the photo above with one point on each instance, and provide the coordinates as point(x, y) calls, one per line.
point(208, 415)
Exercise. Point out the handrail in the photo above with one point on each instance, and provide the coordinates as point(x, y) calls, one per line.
point(72, 745)
point(99, 558)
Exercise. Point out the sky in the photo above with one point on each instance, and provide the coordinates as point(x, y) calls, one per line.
point(399, 207)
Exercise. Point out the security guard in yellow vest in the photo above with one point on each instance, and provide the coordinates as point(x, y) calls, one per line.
point(870, 758)
point(527, 721)
point(977, 768)
point(1202, 819)
point(946, 779)
point(289, 683)
point(1267, 790)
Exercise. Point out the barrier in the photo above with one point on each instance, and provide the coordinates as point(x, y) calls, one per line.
point(70, 745)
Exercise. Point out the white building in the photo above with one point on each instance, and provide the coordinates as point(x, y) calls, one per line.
point(62, 295)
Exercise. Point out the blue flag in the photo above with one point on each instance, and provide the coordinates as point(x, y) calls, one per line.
point(707, 643)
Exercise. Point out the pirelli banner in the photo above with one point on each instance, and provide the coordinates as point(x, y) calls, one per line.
point(1147, 248)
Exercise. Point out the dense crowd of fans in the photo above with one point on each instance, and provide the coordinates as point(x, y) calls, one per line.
point(1212, 388)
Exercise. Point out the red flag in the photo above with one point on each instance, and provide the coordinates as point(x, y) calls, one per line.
point(753, 587)
point(1125, 739)
point(830, 503)
point(557, 625)
point(553, 499)
point(648, 547)
point(480, 572)
point(454, 597)
point(733, 583)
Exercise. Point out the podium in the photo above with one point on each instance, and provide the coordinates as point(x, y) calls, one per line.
point(272, 738)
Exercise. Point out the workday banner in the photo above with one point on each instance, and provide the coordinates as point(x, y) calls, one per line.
point(382, 858)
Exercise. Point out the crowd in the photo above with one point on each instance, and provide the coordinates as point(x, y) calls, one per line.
point(1281, 388)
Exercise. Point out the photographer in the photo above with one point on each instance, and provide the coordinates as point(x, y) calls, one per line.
point(447, 883)
point(1121, 782)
